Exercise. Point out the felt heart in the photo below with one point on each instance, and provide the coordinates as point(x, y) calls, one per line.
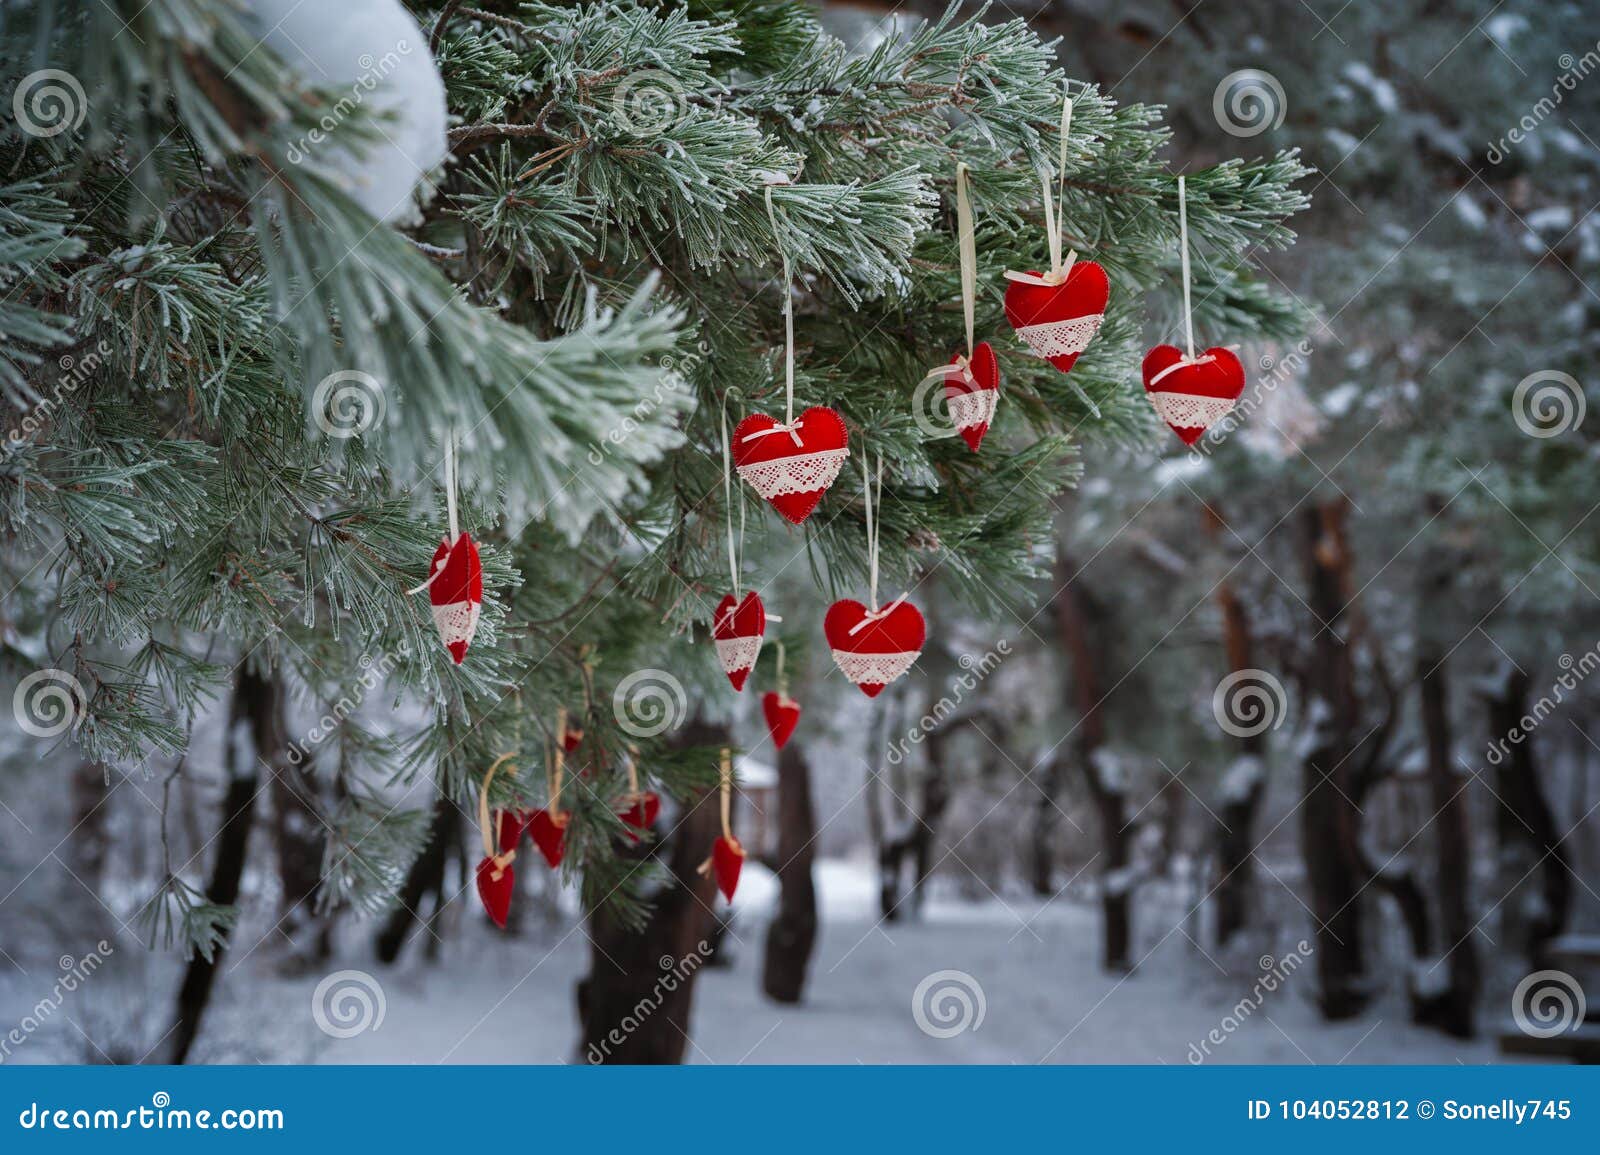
point(1058, 321)
point(873, 649)
point(511, 825)
point(791, 467)
point(641, 810)
point(737, 628)
point(455, 594)
point(549, 834)
point(783, 715)
point(727, 858)
point(571, 739)
point(972, 396)
point(1191, 396)
point(496, 883)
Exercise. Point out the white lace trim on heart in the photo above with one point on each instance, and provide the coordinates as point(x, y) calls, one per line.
point(968, 410)
point(874, 669)
point(1186, 411)
point(1061, 338)
point(738, 653)
point(802, 473)
point(456, 622)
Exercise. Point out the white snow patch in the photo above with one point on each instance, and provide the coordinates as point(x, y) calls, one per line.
point(1380, 90)
point(1242, 777)
point(1109, 769)
point(1339, 400)
point(1172, 469)
point(1470, 212)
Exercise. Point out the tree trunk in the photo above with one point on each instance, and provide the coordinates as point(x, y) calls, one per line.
point(1328, 818)
point(86, 849)
point(634, 1009)
point(1526, 828)
point(1041, 855)
point(1245, 782)
point(1450, 1009)
point(793, 932)
point(425, 877)
point(256, 737)
point(299, 835)
point(1084, 628)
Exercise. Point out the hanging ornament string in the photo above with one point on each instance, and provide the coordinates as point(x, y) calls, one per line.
point(725, 779)
point(727, 793)
point(783, 678)
point(967, 246)
point(450, 482)
point(633, 771)
point(727, 493)
point(789, 426)
point(557, 761)
point(1188, 313)
point(874, 528)
point(491, 836)
point(1053, 210)
point(1183, 256)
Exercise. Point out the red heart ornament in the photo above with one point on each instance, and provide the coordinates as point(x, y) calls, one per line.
point(571, 739)
point(455, 593)
point(972, 392)
point(641, 810)
point(783, 715)
point(737, 628)
point(496, 883)
point(1191, 396)
point(791, 467)
point(873, 649)
point(1058, 321)
point(727, 859)
point(549, 834)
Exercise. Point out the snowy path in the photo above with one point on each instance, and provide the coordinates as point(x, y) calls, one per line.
point(1044, 997)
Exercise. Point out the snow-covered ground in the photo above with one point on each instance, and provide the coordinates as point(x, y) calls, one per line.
point(1032, 967)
